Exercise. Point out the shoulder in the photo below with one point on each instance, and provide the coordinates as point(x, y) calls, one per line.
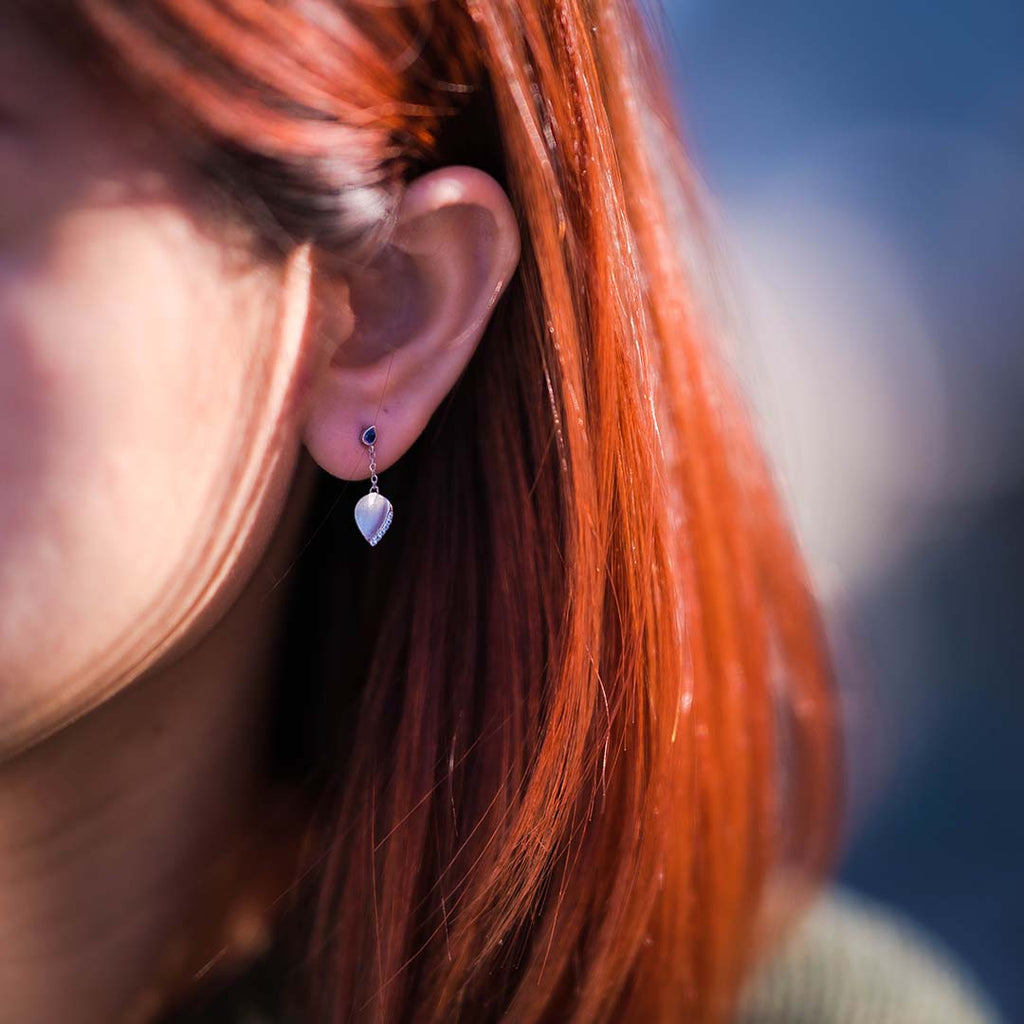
point(851, 962)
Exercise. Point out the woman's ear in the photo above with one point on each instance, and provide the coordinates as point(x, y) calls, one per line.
point(415, 316)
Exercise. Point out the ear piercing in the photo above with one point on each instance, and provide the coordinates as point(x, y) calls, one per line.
point(373, 511)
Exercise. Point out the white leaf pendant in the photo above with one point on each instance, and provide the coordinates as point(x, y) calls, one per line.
point(373, 516)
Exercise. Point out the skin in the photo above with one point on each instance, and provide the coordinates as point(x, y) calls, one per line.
point(141, 579)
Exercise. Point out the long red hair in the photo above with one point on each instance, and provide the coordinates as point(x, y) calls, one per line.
point(594, 718)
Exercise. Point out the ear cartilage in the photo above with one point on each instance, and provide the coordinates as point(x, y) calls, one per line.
point(373, 511)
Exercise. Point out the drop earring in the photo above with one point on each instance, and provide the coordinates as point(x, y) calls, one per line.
point(373, 511)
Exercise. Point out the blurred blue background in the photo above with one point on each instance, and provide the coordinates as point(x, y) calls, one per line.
point(864, 164)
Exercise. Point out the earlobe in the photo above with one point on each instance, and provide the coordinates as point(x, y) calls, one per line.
point(418, 312)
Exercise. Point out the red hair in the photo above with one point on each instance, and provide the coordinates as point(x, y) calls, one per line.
point(594, 717)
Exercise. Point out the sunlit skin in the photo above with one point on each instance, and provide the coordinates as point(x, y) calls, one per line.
point(137, 610)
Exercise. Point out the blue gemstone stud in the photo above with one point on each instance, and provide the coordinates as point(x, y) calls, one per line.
point(370, 436)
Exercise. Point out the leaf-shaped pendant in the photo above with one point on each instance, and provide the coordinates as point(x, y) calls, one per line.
point(373, 516)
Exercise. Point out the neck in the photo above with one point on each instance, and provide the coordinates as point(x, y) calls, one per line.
point(113, 831)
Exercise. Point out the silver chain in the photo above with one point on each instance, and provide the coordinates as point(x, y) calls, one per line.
point(374, 489)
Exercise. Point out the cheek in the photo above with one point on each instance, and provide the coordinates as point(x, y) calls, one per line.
point(123, 365)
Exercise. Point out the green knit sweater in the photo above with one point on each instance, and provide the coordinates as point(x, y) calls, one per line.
point(851, 962)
